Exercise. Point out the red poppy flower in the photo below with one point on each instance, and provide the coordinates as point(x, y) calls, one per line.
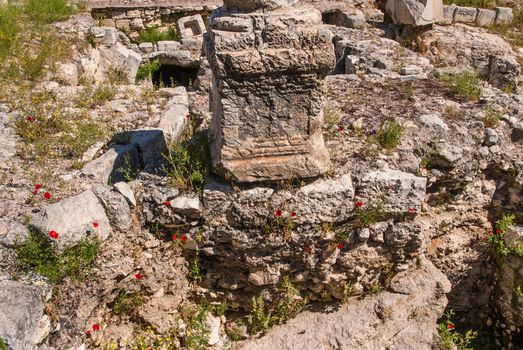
point(96, 327)
point(359, 204)
point(450, 326)
point(174, 237)
point(188, 116)
point(138, 276)
point(38, 186)
point(88, 333)
point(307, 250)
point(277, 213)
point(489, 231)
point(35, 191)
point(53, 234)
point(412, 210)
point(184, 238)
point(340, 128)
point(95, 224)
point(30, 118)
point(47, 195)
point(498, 231)
point(340, 246)
point(168, 203)
point(293, 214)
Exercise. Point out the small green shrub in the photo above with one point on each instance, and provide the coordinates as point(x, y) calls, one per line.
point(389, 135)
point(74, 262)
point(154, 35)
point(464, 85)
point(146, 70)
point(187, 165)
point(331, 116)
point(451, 339)
point(197, 331)
point(127, 302)
point(492, 117)
point(127, 170)
point(195, 272)
point(48, 11)
point(91, 97)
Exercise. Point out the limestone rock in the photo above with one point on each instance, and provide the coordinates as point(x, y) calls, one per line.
point(152, 145)
point(120, 58)
point(504, 15)
point(250, 5)
point(73, 219)
point(23, 324)
point(126, 191)
point(115, 206)
point(404, 318)
point(191, 26)
point(396, 190)
point(12, 233)
point(267, 95)
point(187, 206)
point(174, 117)
point(448, 14)
point(110, 167)
point(415, 12)
point(324, 201)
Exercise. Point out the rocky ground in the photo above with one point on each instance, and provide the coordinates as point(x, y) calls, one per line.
point(106, 244)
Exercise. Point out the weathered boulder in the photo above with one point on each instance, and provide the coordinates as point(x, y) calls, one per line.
point(74, 219)
point(415, 12)
point(267, 96)
point(23, 324)
point(403, 318)
point(12, 233)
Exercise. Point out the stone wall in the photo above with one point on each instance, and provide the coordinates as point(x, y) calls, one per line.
point(476, 16)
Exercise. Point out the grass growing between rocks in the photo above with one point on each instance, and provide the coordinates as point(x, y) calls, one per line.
point(153, 35)
point(288, 304)
point(497, 241)
point(464, 86)
point(389, 135)
point(74, 262)
point(188, 164)
point(127, 302)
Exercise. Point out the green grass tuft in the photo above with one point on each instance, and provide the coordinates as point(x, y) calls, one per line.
point(48, 11)
point(389, 135)
point(74, 262)
point(464, 85)
point(153, 35)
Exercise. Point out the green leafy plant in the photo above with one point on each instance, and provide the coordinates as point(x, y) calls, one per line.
point(496, 240)
point(146, 70)
point(74, 262)
point(464, 85)
point(451, 339)
point(389, 135)
point(347, 289)
point(197, 332)
point(2, 345)
point(127, 170)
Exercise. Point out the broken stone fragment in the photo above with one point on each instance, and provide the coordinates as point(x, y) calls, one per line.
point(111, 166)
point(251, 5)
point(126, 191)
point(74, 219)
point(268, 96)
point(187, 206)
point(115, 205)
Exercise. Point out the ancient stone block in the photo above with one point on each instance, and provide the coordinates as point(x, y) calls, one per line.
point(504, 15)
point(191, 26)
point(251, 5)
point(448, 14)
point(415, 12)
point(465, 15)
point(268, 91)
point(485, 17)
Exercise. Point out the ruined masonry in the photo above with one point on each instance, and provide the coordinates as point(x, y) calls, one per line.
point(269, 60)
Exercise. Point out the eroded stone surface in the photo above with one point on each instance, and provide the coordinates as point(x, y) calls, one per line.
point(267, 99)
